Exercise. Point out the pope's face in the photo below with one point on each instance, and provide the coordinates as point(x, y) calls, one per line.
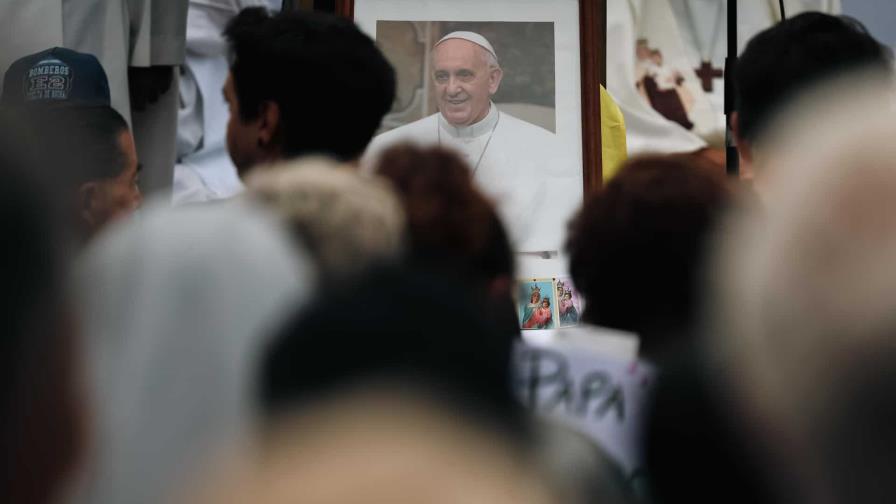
point(464, 82)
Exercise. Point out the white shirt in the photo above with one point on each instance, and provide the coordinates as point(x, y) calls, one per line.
point(204, 171)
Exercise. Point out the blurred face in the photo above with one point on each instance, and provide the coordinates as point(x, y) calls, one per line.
point(642, 51)
point(463, 81)
point(545, 304)
point(111, 199)
point(242, 138)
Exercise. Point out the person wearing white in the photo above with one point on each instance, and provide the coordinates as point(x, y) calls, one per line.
point(122, 34)
point(204, 171)
point(177, 307)
point(703, 28)
point(646, 130)
point(688, 30)
point(535, 184)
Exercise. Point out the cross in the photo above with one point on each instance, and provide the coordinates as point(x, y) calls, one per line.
point(707, 73)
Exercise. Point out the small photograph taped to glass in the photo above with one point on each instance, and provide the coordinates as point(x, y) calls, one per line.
point(536, 304)
point(569, 303)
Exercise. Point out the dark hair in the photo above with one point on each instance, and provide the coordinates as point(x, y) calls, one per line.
point(857, 424)
point(331, 83)
point(452, 227)
point(695, 432)
point(636, 248)
point(794, 54)
point(450, 223)
point(80, 144)
point(40, 433)
point(402, 326)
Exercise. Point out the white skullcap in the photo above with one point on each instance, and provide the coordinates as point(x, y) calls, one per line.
point(471, 37)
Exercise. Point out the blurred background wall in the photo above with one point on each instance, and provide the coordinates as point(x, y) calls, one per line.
point(878, 15)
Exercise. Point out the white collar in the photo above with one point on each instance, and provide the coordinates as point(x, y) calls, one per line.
point(483, 127)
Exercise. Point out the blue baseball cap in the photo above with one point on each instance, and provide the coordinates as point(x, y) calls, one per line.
point(56, 77)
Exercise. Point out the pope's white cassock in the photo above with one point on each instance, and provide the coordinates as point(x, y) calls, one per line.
point(535, 185)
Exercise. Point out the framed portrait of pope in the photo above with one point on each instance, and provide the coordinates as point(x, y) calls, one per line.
point(509, 85)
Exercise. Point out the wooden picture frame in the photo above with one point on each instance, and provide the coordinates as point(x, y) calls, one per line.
point(592, 35)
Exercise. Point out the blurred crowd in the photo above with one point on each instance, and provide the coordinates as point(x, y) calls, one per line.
point(340, 333)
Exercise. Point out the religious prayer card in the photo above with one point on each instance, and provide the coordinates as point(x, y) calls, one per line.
point(537, 304)
point(569, 302)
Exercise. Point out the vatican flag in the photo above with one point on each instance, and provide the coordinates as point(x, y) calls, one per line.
point(612, 135)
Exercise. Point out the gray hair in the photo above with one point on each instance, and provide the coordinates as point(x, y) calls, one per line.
point(491, 60)
point(347, 220)
point(804, 293)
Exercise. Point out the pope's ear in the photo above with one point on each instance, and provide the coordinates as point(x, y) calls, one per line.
point(494, 79)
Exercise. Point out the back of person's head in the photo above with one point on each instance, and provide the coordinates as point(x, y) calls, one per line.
point(803, 301)
point(578, 468)
point(89, 152)
point(347, 221)
point(452, 227)
point(328, 82)
point(393, 325)
point(450, 223)
point(86, 141)
point(384, 444)
point(780, 62)
point(636, 247)
point(178, 306)
point(695, 442)
point(41, 423)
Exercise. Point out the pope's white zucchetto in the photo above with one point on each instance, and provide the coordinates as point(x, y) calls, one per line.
point(470, 37)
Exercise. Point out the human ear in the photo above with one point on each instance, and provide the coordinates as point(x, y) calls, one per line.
point(268, 123)
point(88, 202)
point(494, 80)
